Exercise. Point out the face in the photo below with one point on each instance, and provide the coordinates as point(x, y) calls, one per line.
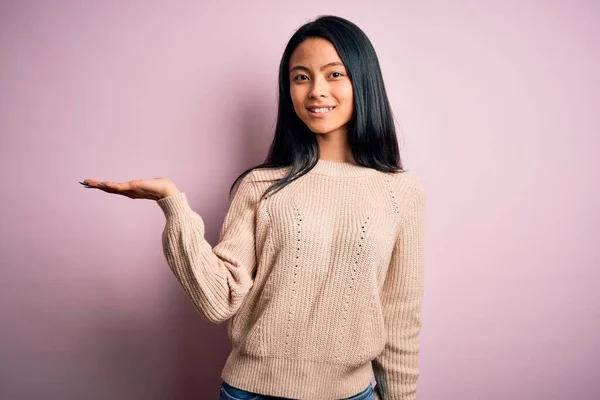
point(320, 88)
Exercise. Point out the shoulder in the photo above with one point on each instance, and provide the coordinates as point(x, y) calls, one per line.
point(256, 182)
point(405, 184)
point(407, 192)
point(266, 174)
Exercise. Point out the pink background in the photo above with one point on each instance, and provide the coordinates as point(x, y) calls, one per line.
point(498, 102)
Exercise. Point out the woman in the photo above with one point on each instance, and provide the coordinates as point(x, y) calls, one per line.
point(318, 268)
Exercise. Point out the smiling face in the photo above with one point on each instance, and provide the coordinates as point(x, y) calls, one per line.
point(320, 88)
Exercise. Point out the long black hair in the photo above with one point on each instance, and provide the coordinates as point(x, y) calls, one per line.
point(371, 131)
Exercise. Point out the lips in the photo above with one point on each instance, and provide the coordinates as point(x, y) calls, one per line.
point(320, 110)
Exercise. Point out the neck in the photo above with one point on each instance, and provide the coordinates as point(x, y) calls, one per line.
point(333, 146)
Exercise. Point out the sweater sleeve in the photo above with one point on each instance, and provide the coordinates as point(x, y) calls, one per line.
point(217, 279)
point(396, 368)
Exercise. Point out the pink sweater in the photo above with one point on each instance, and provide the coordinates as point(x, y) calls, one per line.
point(321, 283)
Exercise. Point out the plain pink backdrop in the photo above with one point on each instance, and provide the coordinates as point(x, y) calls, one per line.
point(498, 108)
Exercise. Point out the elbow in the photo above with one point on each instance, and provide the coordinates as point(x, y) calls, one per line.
point(218, 309)
point(214, 316)
point(216, 319)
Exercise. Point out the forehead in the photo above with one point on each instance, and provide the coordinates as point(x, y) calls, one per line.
point(314, 52)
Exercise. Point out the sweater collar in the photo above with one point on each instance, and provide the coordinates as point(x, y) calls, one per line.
point(340, 169)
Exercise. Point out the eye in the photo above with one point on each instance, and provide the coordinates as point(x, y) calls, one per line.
point(299, 76)
point(339, 74)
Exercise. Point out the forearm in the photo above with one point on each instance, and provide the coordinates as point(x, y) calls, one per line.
point(204, 277)
point(216, 279)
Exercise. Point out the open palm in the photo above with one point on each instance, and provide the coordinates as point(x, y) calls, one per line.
point(152, 189)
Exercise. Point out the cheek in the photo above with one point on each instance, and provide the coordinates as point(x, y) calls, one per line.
point(349, 93)
point(297, 100)
point(346, 95)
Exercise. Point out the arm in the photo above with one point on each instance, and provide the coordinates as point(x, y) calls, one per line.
point(215, 279)
point(396, 368)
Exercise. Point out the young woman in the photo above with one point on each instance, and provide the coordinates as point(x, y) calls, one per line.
point(319, 264)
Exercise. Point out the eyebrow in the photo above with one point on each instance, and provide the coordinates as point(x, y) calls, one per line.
point(302, 67)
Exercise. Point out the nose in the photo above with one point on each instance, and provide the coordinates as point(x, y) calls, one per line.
point(319, 88)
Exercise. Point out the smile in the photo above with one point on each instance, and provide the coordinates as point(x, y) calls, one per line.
point(321, 111)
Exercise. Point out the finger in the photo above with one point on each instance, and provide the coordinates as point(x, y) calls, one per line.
point(90, 183)
point(123, 188)
point(94, 184)
point(110, 187)
point(126, 189)
point(119, 187)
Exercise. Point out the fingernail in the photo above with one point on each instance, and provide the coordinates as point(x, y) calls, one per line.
point(101, 185)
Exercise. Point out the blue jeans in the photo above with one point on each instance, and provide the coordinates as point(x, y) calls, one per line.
point(229, 392)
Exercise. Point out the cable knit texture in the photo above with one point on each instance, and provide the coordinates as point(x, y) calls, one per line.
point(321, 283)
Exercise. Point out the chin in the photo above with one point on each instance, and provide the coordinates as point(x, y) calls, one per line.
point(322, 130)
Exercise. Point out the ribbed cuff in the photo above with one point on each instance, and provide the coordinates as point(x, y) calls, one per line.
point(174, 205)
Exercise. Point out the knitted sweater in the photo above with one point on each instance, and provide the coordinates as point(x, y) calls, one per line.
point(321, 283)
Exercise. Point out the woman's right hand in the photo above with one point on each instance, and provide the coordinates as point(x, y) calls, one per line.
point(152, 189)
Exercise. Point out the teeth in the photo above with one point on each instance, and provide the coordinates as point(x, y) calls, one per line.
point(321, 110)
